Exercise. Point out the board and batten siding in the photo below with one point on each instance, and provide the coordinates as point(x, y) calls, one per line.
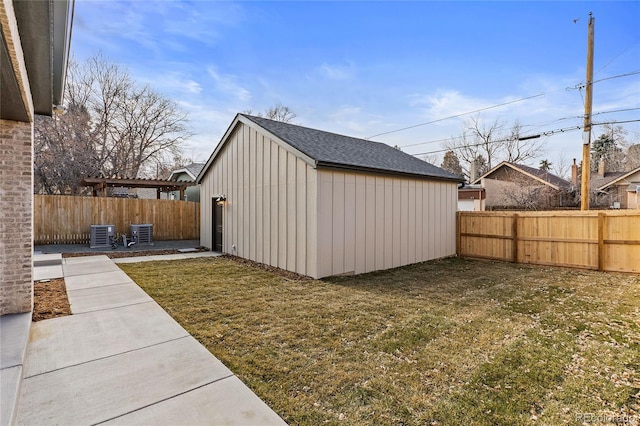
point(371, 222)
point(270, 212)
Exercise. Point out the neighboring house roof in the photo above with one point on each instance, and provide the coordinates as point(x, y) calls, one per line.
point(192, 170)
point(542, 176)
point(600, 183)
point(331, 150)
point(634, 187)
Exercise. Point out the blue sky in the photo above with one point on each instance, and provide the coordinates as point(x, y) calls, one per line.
point(364, 68)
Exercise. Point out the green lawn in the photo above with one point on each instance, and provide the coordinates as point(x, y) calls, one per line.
point(445, 342)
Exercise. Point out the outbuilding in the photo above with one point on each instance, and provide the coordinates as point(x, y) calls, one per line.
point(321, 204)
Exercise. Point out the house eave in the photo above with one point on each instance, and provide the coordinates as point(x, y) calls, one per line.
point(34, 56)
point(386, 172)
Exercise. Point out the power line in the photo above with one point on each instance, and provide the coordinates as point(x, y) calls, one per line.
point(582, 85)
point(547, 133)
point(575, 117)
point(457, 115)
point(616, 57)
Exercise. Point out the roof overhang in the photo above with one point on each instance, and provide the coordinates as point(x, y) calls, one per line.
point(386, 172)
point(33, 56)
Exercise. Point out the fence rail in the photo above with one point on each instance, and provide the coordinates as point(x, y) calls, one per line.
point(67, 219)
point(601, 240)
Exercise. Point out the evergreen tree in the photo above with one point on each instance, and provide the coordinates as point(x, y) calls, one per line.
point(605, 148)
point(451, 162)
point(545, 165)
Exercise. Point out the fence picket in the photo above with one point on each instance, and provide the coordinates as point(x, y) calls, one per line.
point(62, 219)
point(603, 240)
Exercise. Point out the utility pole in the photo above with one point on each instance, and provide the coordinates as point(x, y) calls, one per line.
point(586, 135)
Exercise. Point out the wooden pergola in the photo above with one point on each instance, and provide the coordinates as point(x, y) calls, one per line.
point(99, 185)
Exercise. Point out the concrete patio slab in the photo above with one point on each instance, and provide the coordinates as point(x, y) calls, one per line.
point(107, 388)
point(105, 297)
point(86, 259)
point(47, 272)
point(90, 266)
point(100, 279)
point(47, 259)
point(63, 342)
point(14, 334)
point(225, 402)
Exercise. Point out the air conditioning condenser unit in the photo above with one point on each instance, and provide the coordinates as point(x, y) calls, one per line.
point(142, 233)
point(102, 236)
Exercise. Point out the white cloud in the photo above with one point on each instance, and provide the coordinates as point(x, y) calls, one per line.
point(447, 103)
point(227, 84)
point(337, 72)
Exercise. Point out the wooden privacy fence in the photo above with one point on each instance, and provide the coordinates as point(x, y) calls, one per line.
point(61, 219)
point(602, 240)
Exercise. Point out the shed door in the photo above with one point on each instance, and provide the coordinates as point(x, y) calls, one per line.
point(217, 225)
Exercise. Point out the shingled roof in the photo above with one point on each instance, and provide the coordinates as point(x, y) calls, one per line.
point(541, 175)
point(345, 152)
point(193, 170)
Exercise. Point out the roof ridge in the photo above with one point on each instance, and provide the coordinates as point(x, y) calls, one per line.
point(314, 129)
point(330, 149)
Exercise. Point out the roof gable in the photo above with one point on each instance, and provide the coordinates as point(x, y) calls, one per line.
point(542, 176)
point(612, 178)
point(192, 171)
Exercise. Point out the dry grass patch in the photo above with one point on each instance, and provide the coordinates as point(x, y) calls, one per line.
point(445, 342)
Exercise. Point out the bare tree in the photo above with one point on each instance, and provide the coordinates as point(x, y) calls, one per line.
point(562, 167)
point(126, 127)
point(277, 112)
point(493, 142)
point(518, 191)
point(280, 112)
point(64, 153)
point(427, 158)
point(519, 150)
point(632, 159)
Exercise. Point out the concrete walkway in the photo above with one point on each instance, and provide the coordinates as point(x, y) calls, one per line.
point(121, 359)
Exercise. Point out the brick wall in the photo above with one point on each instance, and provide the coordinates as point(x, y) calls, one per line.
point(16, 225)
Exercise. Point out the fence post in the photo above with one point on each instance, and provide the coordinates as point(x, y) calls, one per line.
point(601, 223)
point(458, 232)
point(514, 239)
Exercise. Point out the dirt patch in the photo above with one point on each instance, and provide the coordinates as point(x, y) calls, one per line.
point(50, 299)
